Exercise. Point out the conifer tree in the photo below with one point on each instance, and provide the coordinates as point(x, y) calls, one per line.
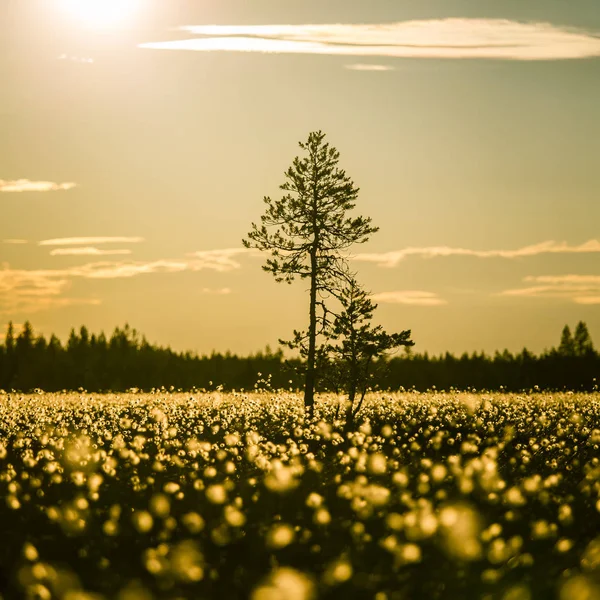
point(582, 341)
point(10, 357)
point(23, 356)
point(355, 346)
point(307, 232)
point(567, 345)
point(9, 339)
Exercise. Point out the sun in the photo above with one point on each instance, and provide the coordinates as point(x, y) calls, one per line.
point(101, 13)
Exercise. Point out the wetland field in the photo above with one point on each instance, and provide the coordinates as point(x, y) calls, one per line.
point(236, 495)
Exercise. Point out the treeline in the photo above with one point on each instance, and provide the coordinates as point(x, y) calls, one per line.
point(120, 362)
point(127, 360)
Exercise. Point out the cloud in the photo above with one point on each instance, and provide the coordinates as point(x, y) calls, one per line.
point(587, 300)
point(82, 241)
point(413, 297)
point(86, 251)
point(28, 291)
point(219, 260)
point(31, 290)
point(391, 259)
point(436, 38)
point(15, 241)
point(593, 280)
point(24, 185)
point(218, 292)
point(119, 270)
point(368, 67)
point(581, 289)
point(86, 60)
point(43, 282)
point(38, 304)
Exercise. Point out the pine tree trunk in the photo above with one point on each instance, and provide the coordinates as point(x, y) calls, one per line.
point(353, 381)
point(309, 384)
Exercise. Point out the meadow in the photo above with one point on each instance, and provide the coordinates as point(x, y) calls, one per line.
point(235, 495)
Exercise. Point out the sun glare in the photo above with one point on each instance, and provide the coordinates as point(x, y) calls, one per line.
point(101, 13)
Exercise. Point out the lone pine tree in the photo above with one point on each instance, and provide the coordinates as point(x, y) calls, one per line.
point(307, 231)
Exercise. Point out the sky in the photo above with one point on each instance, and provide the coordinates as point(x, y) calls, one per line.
point(139, 137)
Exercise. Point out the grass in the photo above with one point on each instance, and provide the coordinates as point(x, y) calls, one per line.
point(140, 496)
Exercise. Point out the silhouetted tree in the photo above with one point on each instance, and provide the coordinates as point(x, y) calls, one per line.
point(9, 338)
point(10, 365)
point(354, 346)
point(24, 357)
point(53, 377)
point(567, 345)
point(582, 341)
point(307, 231)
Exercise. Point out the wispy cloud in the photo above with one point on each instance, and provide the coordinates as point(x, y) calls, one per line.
point(118, 270)
point(83, 241)
point(86, 60)
point(219, 260)
point(565, 279)
point(414, 297)
point(15, 241)
point(33, 304)
point(26, 291)
point(25, 185)
point(581, 289)
point(436, 38)
point(87, 251)
point(35, 282)
point(588, 299)
point(39, 289)
point(393, 258)
point(368, 67)
point(216, 292)
point(32, 291)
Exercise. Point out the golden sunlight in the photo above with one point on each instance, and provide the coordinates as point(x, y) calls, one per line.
point(101, 13)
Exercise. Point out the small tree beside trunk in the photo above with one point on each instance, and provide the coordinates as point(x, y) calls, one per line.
point(355, 348)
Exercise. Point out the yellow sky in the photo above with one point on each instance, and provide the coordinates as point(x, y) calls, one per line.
point(138, 138)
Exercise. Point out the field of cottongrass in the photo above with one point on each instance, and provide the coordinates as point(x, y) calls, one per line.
point(438, 495)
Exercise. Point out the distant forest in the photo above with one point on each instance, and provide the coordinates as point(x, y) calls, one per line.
point(126, 360)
